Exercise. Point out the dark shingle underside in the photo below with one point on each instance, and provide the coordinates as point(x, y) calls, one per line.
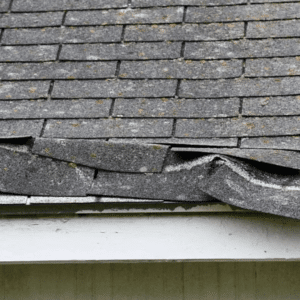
point(164, 99)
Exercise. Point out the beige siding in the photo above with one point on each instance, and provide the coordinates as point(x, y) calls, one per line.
point(147, 281)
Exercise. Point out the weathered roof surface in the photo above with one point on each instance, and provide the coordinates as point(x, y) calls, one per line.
point(130, 99)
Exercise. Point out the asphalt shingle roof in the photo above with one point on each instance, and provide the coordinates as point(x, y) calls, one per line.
point(164, 100)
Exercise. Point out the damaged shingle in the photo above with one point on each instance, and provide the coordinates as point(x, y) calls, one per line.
point(283, 142)
point(20, 128)
point(113, 156)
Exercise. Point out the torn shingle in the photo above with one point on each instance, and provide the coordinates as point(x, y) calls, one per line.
point(216, 142)
point(51, 35)
point(28, 53)
point(199, 128)
point(105, 128)
point(138, 51)
point(112, 156)
point(125, 16)
point(20, 128)
point(44, 5)
point(243, 13)
point(243, 48)
point(176, 108)
point(288, 159)
point(114, 88)
point(55, 70)
point(283, 142)
point(31, 20)
point(24, 90)
point(181, 69)
point(26, 174)
point(37, 109)
point(189, 32)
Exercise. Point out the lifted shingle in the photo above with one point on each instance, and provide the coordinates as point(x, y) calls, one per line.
point(273, 29)
point(105, 128)
point(288, 159)
point(181, 69)
point(243, 13)
point(283, 142)
point(125, 51)
point(125, 16)
point(271, 106)
point(28, 53)
point(31, 20)
point(114, 88)
point(112, 156)
point(188, 32)
point(166, 186)
point(44, 5)
point(176, 108)
point(194, 128)
point(148, 3)
point(24, 90)
point(242, 49)
point(36, 109)
point(20, 128)
point(51, 35)
point(55, 70)
point(26, 174)
point(240, 87)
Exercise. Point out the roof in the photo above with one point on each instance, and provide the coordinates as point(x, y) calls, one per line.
point(162, 100)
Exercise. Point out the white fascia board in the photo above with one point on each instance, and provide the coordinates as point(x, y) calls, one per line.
point(159, 237)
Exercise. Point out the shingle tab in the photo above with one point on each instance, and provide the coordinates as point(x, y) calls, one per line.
point(266, 1)
point(182, 69)
point(136, 51)
point(240, 87)
point(55, 70)
point(51, 35)
point(217, 142)
point(283, 142)
point(114, 88)
point(272, 67)
point(288, 159)
point(184, 108)
point(105, 128)
point(26, 174)
point(243, 13)
point(7, 199)
point(125, 16)
point(24, 90)
point(271, 106)
point(112, 156)
point(272, 126)
point(31, 20)
point(28, 53)
point(273, 29)
point(4, 5)
point(172, 186)
point(242, 49)
point(147, 3)
point(36, 109)
point(190, 32)
point(45, 5)
point(20, 128)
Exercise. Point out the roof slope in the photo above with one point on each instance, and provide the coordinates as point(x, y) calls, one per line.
point(104, 89)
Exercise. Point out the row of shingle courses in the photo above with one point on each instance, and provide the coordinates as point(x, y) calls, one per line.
point(158, 69)
point(154, 15)
point(149, 128)
point(54, 5)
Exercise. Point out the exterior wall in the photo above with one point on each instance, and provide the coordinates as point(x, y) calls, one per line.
point(167, 281)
